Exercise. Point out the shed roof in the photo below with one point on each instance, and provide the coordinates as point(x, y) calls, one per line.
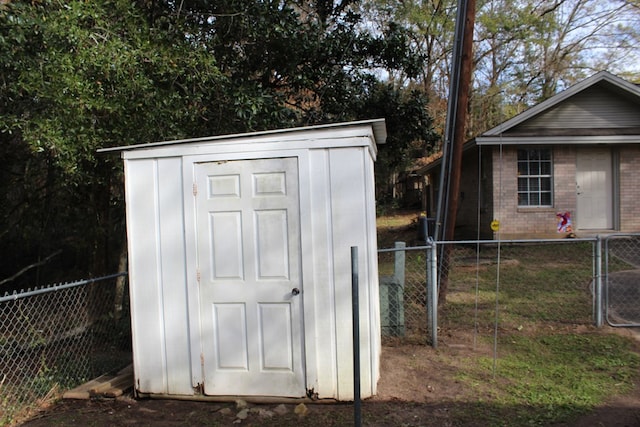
point(378, 126)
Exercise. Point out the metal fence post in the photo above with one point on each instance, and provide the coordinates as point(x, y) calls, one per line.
point(357, 407)
point(432, 291)
point(396, 292)
point(399, 263)
point(392, 295)
point(598, 282)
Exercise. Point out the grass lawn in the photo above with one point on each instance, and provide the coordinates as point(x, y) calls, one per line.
point(530, 316)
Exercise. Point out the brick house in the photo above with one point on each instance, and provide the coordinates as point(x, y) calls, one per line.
point(572, 160)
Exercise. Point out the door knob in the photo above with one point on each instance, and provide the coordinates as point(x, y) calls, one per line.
point(295, 291)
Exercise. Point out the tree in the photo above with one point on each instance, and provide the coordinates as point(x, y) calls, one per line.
point(528, 52)
point(524, 50)
point(431, 26)
point(76, 76)
point(407, 140)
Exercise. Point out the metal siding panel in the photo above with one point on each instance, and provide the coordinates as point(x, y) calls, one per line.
point(348, 220)
point(375, 340)
point(146, 303)
point(323, 279)
point(191, 268)
point(308, 269)
point(173, 276)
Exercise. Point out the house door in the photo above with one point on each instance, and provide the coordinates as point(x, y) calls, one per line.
point(248, 237)
point(594, 189)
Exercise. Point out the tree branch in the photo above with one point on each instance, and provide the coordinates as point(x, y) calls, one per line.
point(29, 267)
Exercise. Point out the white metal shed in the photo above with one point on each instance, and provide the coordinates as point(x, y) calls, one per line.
point(239, 262)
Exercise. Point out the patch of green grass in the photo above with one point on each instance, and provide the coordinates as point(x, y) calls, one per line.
point(544, 372)
point(547, 379)
point(396, 227)
point(534, 283)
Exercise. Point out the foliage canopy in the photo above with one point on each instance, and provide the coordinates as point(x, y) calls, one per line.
point(76, 76)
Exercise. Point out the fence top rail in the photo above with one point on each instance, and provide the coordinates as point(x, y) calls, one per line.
point(501, 241)
point(617, 235)
point(55, 287)
point(430, 244)
point(406, 248)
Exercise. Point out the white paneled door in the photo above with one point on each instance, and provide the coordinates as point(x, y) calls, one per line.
point(594, 189)
point(248, 234)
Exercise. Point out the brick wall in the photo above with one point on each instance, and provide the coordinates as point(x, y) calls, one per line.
point(498, 176)
point(629, 188)
point(522, 222)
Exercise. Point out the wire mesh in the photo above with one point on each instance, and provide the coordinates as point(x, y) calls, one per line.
point(53, 339)
point(486, 286)
point(517, 288)
point(622, 284)
point(403, 293)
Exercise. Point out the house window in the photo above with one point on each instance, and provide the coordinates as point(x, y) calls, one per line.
point(534, 177)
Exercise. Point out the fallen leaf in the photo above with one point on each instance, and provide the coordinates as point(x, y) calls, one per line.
point(301, 410)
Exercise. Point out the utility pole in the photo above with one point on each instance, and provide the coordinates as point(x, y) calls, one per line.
point(466, 68)
point(449, 190)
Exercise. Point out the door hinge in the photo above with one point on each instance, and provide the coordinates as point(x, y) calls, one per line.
point(195, 189)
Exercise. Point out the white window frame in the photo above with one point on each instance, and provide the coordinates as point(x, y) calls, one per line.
point(535, 177)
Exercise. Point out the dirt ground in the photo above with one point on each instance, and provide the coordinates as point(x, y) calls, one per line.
point(416, 389)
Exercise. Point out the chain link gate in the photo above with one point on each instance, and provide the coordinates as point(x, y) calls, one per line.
point(622, 279)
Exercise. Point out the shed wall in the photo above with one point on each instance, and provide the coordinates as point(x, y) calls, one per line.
point(341, 184)
point(159, 311)
point(337, 200)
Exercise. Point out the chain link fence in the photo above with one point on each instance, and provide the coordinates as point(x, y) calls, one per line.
point(403, 293)
point(622, 285)
point(487, 287)
point(58, 337)
point(498, 289)
point(55, 338)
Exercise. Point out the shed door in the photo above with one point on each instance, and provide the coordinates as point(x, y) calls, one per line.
point(594, 187)
point(248, 229)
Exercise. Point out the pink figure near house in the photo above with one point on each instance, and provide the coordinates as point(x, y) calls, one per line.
point(564, 222)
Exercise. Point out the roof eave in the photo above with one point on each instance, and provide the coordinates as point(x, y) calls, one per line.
point(556, 99)
point(551, 140)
